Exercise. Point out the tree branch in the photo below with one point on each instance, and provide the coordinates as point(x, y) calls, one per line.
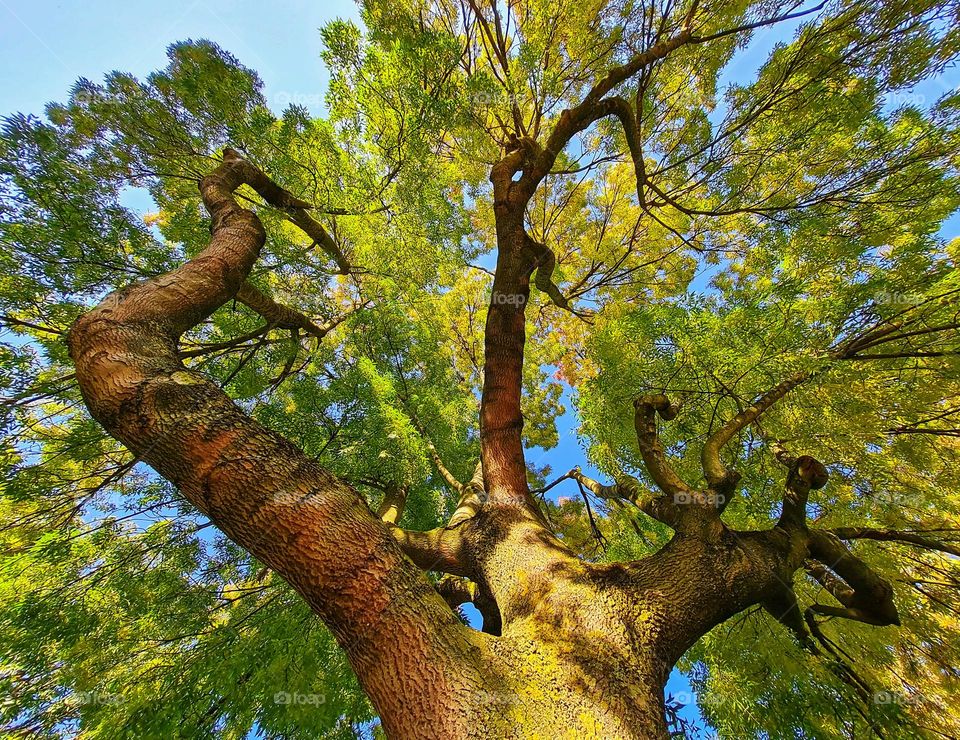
point(258, 488)
point(891, 535)
point(393, 503)
point(276, 313)
point(718, 476)
point(866, 597)
point(646, 409)
point(472, 497)
point(805, 474)
point(440, 550)
point(629, 489)
point(546, 262)
point(782, 605)
point(314, 229)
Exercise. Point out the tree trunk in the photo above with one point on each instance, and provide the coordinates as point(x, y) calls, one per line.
point(586, 649)
point(583, 649)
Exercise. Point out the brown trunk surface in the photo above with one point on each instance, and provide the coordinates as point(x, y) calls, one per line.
point(583, 650)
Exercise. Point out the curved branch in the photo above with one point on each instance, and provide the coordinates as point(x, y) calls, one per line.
point(651, 449)
point(718, 476)
point(865, 596)
point(393, 503)
point(631, 131)
point(440, 550)
point(458, 591)
point(472, 497)
point(574, 120)
point(257, 487)
point(545, 262)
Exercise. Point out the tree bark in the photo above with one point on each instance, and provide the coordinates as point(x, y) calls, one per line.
point(258, 488)
point(583, 650)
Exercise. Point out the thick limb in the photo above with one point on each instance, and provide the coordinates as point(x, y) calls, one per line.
point(393, 503)
point(805, 474)
point(458, 591)
point(719, 477)
point(501, 418)
point(440, 550)
point(646, 409)
point(258, 488)
point(865, 596)
point(782, 605)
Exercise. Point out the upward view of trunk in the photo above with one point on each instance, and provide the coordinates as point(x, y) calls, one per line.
point(708, 249)
point(569, 648)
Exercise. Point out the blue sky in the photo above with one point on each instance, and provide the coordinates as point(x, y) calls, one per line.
point(46, 47)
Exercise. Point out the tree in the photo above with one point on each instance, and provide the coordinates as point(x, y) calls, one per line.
point(500, 192)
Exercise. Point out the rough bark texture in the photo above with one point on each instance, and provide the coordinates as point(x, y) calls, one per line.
point(575, 649)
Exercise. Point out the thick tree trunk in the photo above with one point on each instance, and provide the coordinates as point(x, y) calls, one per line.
point(583, 650)
point(586, 649)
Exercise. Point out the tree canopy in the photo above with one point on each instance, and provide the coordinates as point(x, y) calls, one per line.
point(766, 253)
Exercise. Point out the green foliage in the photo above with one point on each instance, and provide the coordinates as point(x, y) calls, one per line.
point(791, 211)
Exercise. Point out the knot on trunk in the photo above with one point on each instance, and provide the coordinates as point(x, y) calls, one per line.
point(809, 472)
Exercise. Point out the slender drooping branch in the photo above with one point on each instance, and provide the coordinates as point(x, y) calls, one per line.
point(449, 478)
point(314, 229)
point(891, 535)
point(472, 494)
point(546, 262)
